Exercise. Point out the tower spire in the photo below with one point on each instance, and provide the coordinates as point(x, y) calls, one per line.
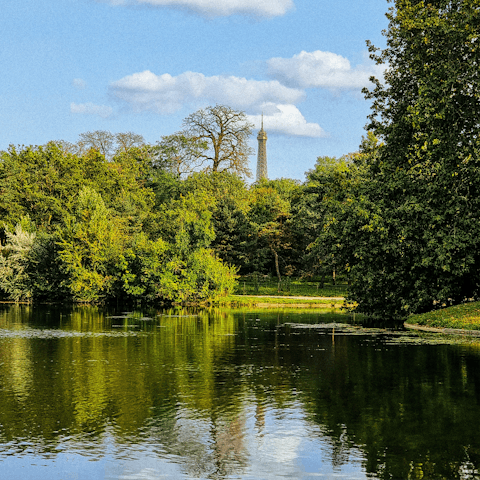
point(262, 154)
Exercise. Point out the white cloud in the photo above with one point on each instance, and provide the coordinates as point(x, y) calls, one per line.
point(166, 94)
point(91, 109)
point(321, 69)
point(286, 119)
point(79, 83)
point(260, 8)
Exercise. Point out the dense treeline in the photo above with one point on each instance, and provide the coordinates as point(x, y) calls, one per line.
point(112, 217)
point(86, 228)
point(92, 226)
point(404, 217)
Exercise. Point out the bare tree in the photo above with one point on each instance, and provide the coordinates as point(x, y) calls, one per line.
point(226, 132)
point(101, 140)
point(127, 140)
point(108, 143)
point(66, 147)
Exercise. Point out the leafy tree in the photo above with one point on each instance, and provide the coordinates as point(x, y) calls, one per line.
point(225, 132)
point(90, 244)
point(14, 279)
point(421, 221)
point(269, 216)
point(229, 212)
point(321, 204)
point(195, 275)
point(48, 281)
point(141, 265)
point(186, 222)
point(42, 182)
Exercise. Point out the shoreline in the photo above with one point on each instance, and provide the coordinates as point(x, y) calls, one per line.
point(300, 301)
point(443, 330)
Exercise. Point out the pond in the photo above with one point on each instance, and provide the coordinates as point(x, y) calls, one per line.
point(87, 393)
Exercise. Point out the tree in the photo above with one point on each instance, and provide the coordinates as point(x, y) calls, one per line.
point(105, 142)
point(101, 140)
point(91, 242)
point(323, 202)
point(14, 279)
point(180, 154)
point(229, 212)
point(42, 182)
point(269, 216)
point(421, 215)
point(126, 141)
point(226, 132)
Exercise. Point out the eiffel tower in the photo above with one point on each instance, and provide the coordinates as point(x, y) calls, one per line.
point(262, 154)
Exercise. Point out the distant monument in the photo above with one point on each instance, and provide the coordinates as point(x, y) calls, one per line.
point(262, 154)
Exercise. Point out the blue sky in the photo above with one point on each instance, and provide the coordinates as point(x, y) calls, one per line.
point(71, 66)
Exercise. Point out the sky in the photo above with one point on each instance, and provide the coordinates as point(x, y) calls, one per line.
point(72, 66)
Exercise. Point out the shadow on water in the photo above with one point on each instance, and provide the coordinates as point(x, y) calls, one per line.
point(190, 393)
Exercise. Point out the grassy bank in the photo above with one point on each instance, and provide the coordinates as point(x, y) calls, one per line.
point(465, 316)
point(259, 301)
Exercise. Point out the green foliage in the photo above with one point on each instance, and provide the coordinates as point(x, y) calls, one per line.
point(321, 213)
point(186, 222)
point(229, 212)
point(417, 223)
point(109, 229)
point(47, 280)
point(14, 259)
point(198, 276)
point(42, 182)
point(90, 242)
point(269, 215)
point(141, 266)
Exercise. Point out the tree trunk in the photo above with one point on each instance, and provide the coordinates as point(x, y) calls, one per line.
point(277, 268)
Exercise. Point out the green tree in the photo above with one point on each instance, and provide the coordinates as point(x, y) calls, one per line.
point(324, 200)
point(47, 280)
point(140, 267)
point(421, 223)
point(42, 182)
point(269, 215)
point(14, 260)
point(229, 212)
point(91, 243)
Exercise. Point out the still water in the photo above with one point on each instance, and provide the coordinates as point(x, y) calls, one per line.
point(231, 394)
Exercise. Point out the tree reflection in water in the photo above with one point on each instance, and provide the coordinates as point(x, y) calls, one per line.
point(222, 394)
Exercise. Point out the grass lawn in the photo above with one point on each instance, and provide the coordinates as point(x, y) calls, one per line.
point(465, 316)
point(289, 286)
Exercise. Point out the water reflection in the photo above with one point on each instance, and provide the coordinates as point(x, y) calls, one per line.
point(231, 394)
